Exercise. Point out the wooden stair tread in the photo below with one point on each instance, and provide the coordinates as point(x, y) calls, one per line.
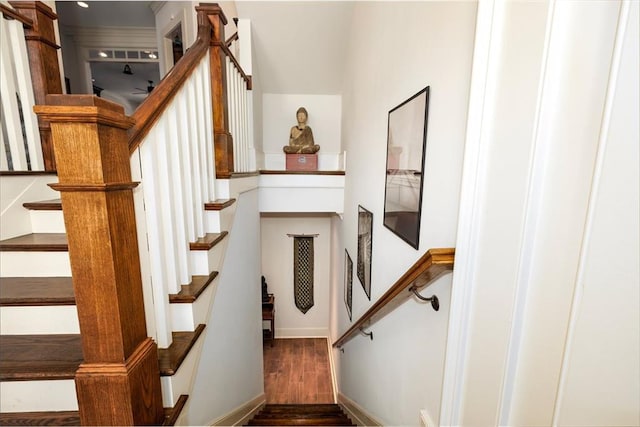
point(218, 204)
point(36, 242)
point(45, 418)
point(56, 357)
point(208, 241)
point(293, 407)
point(44, 205)
point(189, 293)
point(301, 415)
point(39, 357)
point(171, 358)
point(36, 291)
point(72, 418)
point(334, 421)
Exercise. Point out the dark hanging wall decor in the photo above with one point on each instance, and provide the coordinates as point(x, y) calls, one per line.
point(348, 282)
point(303, 259)
point(365, 245)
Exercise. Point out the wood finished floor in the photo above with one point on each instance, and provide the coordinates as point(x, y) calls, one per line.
point(296, 370)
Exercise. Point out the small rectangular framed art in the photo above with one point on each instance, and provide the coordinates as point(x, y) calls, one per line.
point(348, 282)
point(365, 245)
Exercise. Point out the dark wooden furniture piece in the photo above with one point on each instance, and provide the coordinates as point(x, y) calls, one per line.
point(269, 314)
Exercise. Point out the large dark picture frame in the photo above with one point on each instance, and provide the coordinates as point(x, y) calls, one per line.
point(348, 282)
point(365, 245)
point(406, 146)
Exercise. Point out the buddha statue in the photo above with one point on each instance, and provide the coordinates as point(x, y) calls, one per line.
point(300, 136)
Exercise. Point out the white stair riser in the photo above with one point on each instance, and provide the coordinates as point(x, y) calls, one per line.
point(222, 188)
point(47, 222)
point(180, 382)
point(204, 262)
point(35, 264)
point(186, 317)
point(25, 320)
point(217, 221)
point(32, 396)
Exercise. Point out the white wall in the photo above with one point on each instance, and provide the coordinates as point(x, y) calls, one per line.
point(279, 115)
point(16, 190)
point(229, 373)
point(542, 330)
point(277, 268)
point(428, 44)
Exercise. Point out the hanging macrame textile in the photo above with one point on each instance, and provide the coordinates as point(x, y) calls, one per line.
point(303, 272)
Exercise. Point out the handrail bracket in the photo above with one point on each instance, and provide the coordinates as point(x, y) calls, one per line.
point(435, 302)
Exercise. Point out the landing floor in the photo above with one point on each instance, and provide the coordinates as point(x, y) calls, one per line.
point(296, 370)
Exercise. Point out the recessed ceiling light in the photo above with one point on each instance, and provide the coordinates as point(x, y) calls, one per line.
point(102, 54)
point(82, 4)
point(153, 56)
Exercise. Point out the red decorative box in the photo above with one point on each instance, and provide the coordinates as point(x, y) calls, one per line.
point(302, 162)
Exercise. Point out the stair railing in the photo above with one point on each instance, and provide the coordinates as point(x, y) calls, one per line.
point(140, 183)
point(424, 272)
point(173, 156)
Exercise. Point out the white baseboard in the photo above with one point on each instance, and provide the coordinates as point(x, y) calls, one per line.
point(242, 414)
point(302, 332)
point(358, 414)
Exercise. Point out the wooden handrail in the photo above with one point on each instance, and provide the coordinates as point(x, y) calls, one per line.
point(231, 39)
point(425, 271)
point(225, 49)
point(154, 105)
point(9, 13)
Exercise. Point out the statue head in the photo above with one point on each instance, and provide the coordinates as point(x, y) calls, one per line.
point(302, 115)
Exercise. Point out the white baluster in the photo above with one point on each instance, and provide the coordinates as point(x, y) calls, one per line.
point(245, 139)
point(178, 203)
point(187, 165)
point(155, 239)
point(165, 202)
point(197, 191)
point(238, 110)
point(202, 138)
point(208, 121)
point(239, 87)
point(11, 120)
point(143, 246)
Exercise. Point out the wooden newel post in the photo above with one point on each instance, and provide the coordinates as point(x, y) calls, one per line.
point(119, 381)
point(223, 141)
point(43, 63)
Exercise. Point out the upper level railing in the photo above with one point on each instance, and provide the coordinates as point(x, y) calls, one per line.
point(30, 72)
point(21, 151)
point(424, 272)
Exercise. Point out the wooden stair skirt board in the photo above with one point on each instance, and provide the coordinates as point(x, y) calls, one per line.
point(301, 415)
point(72, 418)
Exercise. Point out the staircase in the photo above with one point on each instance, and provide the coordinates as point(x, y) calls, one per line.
point(301, 415)
point(40, 343)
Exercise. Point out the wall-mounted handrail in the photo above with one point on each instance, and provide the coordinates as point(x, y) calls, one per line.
point(425, 271)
